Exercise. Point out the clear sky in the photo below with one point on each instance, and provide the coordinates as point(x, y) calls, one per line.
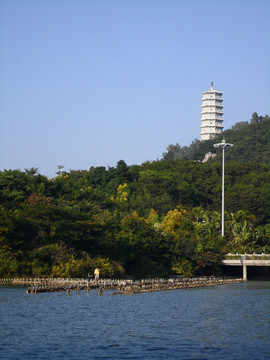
point(90, 82)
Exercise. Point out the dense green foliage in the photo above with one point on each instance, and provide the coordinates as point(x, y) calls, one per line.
point(155, 219)
point(251, 143)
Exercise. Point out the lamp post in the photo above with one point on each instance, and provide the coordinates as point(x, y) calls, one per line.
point(223, 145)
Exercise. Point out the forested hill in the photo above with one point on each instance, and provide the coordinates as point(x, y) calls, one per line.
point(149, 220)
point(251, 141)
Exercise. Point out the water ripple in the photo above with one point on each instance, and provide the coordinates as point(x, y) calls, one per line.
point(222, 322)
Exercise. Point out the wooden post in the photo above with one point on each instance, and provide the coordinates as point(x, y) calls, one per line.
point(244, 268)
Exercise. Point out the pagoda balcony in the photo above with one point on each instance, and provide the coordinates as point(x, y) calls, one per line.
point(214, 115)
point(216, 98)
point(213, 104)
point(211, 111)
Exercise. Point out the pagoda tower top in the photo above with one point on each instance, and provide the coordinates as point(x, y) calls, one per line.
point(212, 90)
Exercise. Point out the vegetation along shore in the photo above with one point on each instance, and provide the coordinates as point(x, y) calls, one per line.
point(152, 220)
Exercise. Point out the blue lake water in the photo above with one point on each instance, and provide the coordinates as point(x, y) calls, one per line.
point(219, 322)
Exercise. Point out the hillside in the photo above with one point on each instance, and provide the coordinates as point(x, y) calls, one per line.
point(150, 220)
point(251, 143)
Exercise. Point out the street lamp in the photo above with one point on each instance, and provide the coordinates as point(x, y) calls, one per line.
point(223, 145)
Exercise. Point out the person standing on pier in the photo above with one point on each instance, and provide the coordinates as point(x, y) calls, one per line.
point(96, 273)
point(88, 278)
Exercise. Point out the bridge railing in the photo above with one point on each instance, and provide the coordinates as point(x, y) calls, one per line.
point(254, 256)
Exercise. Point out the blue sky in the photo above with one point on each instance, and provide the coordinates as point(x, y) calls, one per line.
point(89, 83)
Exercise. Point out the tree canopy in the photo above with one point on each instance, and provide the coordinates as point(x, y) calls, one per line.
point(251, 143)
point(154, 219)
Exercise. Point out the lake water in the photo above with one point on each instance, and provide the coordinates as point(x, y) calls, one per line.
point(219, 322)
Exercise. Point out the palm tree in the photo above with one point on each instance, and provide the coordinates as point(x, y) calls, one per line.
point(242, 232)
point(197, 213)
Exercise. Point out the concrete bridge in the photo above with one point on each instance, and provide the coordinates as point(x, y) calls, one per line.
point(246, 260)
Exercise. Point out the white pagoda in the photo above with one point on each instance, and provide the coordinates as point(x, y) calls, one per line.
point(211, 114)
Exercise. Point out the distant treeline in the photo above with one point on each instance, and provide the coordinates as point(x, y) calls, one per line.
point(150, 220)
point(251, 143)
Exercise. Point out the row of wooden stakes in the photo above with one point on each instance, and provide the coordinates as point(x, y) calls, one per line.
point(118, 286)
